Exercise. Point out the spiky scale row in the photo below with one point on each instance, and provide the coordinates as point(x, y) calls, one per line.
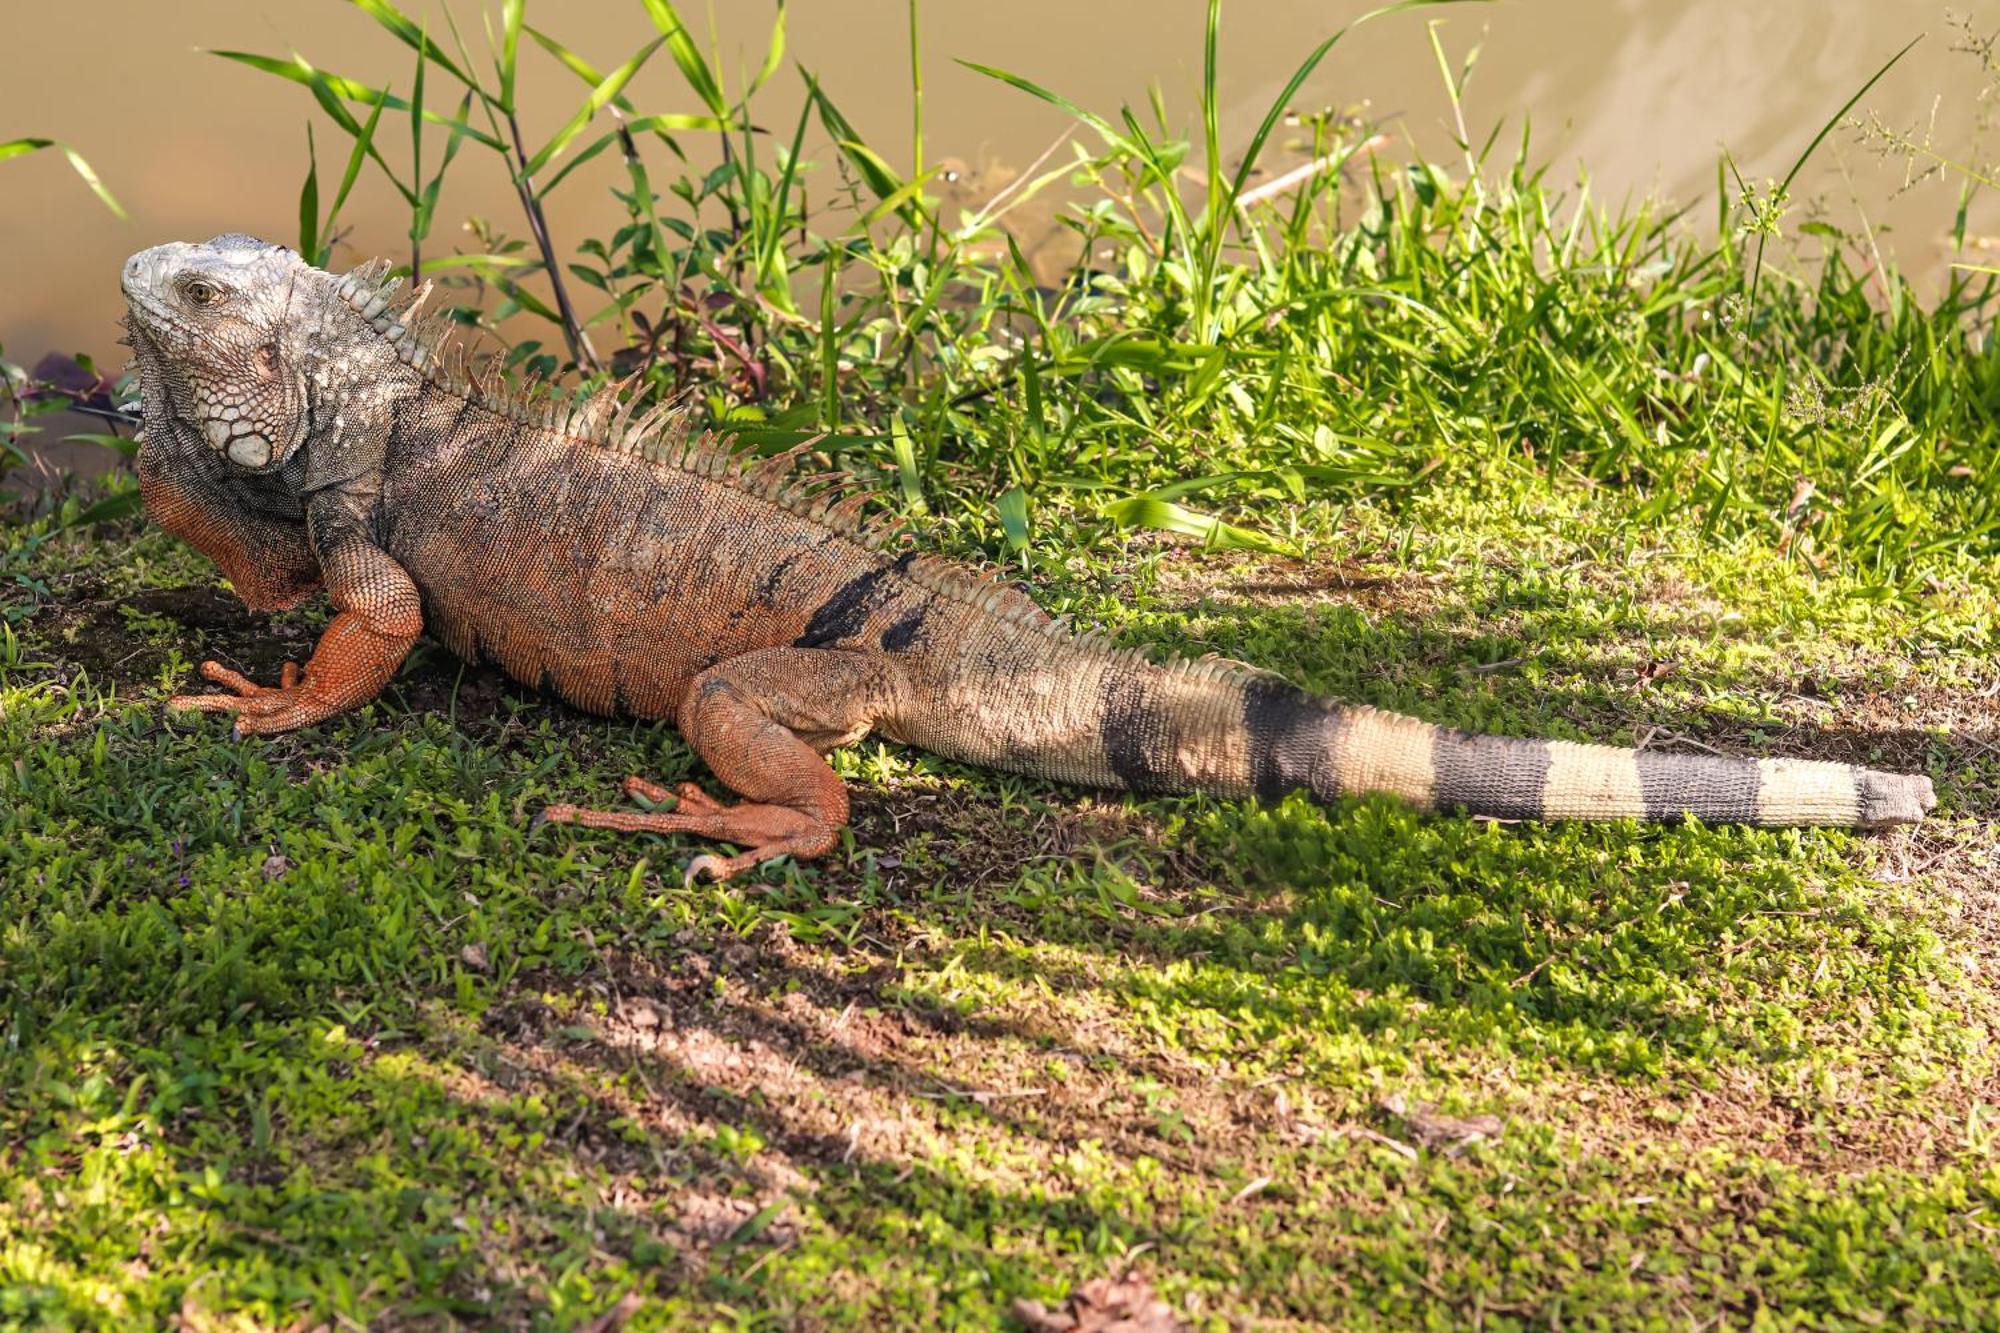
point(610, 418)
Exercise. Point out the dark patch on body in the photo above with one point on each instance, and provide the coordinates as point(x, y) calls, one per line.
point(1881, 798)
point(906, 633)
point(1290, 739)
point(766, 593)
point(1500, 777)
point(1709, 787)
point(845, 614)
point(1138, 739)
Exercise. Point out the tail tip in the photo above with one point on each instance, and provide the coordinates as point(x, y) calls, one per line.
point(1889, 799)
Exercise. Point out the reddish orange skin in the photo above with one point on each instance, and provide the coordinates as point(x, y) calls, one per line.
point(268, 563)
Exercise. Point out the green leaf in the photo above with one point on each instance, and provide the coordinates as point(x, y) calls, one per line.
point(527, 300)
point(908, 473)
point(364, 140)
point(329, 87)
point(1150, 511)
point(771, 266)
point(1013, 509)
point(880, 177)
point(681, 45)
point(417, 132)
point(576, 159)
point(21, 147)
point(599, 98)
point(309, 203)
point(571, 61)
point(908, 193)
point(1096, 122)
point(1841, 114)
point(426, 209)
point(407, 32)
point(108, 510)
point(774, 53)
point(1283, 101)
point(640, 125)
point(481, 261)
point(511, 13)
point(90, 178)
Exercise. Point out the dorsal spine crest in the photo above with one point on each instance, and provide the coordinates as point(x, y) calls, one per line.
point(611, 418)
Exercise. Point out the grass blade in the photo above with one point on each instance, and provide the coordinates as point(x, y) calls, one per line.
point(881, 178)
point(916, 94)
point(309, 204)
point(1095, 121)
point(22, 147)
point(407, 32)
point(1210, 134)
point(680, 44)
point(774, 54)
point(331, 88)
point(600, 97)
point(1012, 506)
point(417, 160)
point(771, 265)
point(511, 13)
point(1150, 511)
point(364, 141)
point(426, 208)
point(1846, 107)
point(97, 186)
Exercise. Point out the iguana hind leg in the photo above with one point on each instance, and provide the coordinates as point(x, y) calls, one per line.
point(761, 722)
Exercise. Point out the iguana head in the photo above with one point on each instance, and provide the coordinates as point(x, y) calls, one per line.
point(225, 334)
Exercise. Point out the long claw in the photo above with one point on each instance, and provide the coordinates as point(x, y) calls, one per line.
point(288, 678)
point(766, 830)
point(650, 792)
point(694, 800)
point(205, 703)
point(231, 680)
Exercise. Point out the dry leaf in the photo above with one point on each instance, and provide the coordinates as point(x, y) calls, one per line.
point(1125, 1304)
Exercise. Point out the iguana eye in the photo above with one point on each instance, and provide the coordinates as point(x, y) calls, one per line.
point(201, 293)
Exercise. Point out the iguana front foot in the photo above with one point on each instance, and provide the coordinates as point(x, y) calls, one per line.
point(259, 709)
point(350, 665)
point(767, 830)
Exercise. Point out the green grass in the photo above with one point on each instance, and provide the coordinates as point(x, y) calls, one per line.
point(317, 1029)
point(318, 1026)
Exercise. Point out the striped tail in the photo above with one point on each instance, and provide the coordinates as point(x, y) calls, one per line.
point(1295, 741)
point(1233, 733)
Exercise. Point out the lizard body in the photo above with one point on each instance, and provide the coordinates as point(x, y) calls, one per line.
point(303, 429)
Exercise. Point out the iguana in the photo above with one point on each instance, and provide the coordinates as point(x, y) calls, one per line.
point(306, 429)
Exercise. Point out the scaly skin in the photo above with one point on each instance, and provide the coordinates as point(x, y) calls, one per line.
point(302, 431)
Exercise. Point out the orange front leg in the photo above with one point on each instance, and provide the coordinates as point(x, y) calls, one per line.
point(358, 655)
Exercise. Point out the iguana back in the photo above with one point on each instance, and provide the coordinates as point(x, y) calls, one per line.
point(633, 566)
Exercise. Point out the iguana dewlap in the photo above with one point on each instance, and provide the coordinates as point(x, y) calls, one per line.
point(302, 429)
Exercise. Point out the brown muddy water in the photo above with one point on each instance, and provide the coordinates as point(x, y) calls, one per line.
point(1644, 93)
